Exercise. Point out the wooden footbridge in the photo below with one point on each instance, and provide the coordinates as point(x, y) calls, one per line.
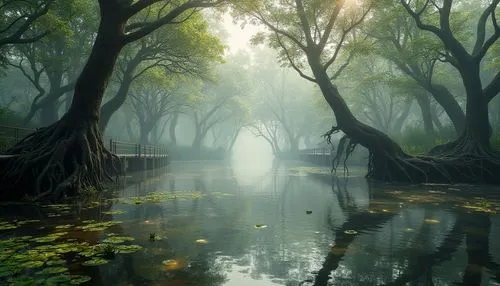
point(317, 156)
point(133, 156)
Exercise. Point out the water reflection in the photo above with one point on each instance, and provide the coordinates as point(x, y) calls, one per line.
point(320, 231)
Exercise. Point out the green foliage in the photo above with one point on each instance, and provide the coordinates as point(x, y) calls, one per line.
point(415, 140)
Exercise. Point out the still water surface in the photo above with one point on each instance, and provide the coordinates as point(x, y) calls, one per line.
point(289, 224)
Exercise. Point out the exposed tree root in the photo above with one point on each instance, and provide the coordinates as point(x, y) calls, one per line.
point(61, 160)
point(462, 161)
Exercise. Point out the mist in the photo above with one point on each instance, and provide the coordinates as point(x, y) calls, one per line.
point(209, 142)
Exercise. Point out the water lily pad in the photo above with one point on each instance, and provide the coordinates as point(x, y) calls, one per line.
point(350, 232)
point(56, 262)
point(64, 226)
point(61, 279)
point(115, 212)
point(79, 279)
point(52, 270)
point(32, 264)
point(118, 239)
point(128, 248)
point(95, 261)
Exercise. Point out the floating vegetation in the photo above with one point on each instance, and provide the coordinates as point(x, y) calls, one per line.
point(260, 225)
point(157, 197)
point(97, 226)
point(350, 232)
point(128, 248)
point(201, 241)
point(95, 262)
point(431, 221)
point(6, 225)
point(118, 239)
point(482, 205)
point(42, 259)
point(52, 270)
point(154, 237)
point(64, 226)
point(115, 212)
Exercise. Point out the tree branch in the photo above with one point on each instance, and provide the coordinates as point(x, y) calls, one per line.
point(168, 19)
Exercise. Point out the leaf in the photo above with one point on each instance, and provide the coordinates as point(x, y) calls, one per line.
point(128, 248)
point(95, 262)
point(118, 239)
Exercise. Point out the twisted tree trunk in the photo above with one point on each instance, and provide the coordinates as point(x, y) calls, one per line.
point(69, 156)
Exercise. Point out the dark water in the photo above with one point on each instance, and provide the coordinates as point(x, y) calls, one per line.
point(217, 224)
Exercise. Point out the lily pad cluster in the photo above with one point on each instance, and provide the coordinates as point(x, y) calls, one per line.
point(91, 225)
point(7, 225)
point(44, 259)
point(157, 197)
point(45, 263)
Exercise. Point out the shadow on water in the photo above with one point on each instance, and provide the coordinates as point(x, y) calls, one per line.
point(205, 224)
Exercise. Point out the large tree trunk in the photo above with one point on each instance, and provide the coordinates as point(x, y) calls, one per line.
point(69, 157)
point(425, 106)
point(172, 127)
point(110, 107)
point(48, 113)
point(450, 105)
point(400, 120)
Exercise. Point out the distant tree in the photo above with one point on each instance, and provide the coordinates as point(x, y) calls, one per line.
point(218, 101)
point(283, 108)
point(69, 156)
point(153, 97)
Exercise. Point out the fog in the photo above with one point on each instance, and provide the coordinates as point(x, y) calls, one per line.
point(249, 142)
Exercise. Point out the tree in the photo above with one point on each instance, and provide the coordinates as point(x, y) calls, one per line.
point(17, 18)
point(52, 64)
point(282, 107)
point(219, 101)
point(475, 139)
point(417, 55)
point(154, 97)
point(69, 156)
point(324, 28)
point(187, 48)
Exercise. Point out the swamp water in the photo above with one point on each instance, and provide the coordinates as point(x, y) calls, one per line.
point(289, 224)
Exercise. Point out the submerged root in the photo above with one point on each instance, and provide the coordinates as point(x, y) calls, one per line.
point(62, 160)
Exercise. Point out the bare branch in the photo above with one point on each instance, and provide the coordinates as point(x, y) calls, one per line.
point(481, 52)
point(292, 63)
point(17, 36)
point(493, 88)
point(331, 22)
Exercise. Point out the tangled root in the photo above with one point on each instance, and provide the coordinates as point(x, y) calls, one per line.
point(345, 148)
point(462, 161)
point(61, 160)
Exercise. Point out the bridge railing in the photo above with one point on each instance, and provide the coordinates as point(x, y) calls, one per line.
point(10, 135)
point(136, 150)
point(315, 151)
